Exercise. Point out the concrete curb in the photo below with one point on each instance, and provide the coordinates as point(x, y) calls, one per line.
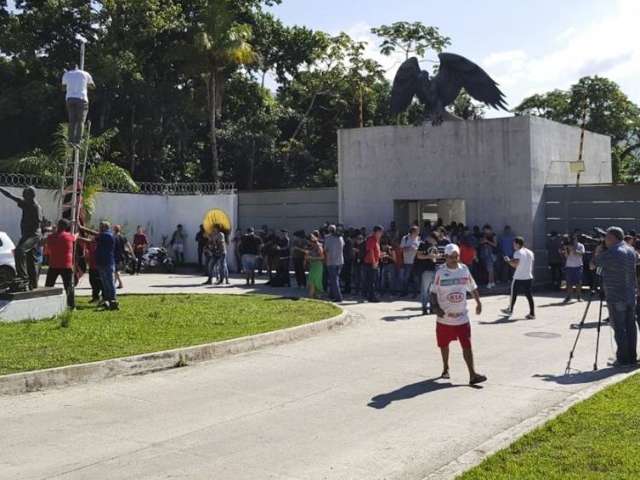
point(25, 382)
point(502, 440)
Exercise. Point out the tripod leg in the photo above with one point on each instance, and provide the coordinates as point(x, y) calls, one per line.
point(575, 344)
point(595, 363)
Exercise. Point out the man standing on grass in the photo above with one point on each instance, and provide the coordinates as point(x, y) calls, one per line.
point(449, 301)
point(60, 245)
point(105, 261)
point(523, 260)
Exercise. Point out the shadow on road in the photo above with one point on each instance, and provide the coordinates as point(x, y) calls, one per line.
point(583, 377)
point(395, 318)
point(409, 391)
point(501, 321)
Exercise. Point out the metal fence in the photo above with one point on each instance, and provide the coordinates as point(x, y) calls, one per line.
point(569, 207)
point(147, 188)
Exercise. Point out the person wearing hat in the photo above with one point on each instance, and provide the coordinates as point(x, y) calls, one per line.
point(617, 262)
point(31, 234)
point(449, 301)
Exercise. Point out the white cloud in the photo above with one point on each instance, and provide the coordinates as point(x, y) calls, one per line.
point(608, 46)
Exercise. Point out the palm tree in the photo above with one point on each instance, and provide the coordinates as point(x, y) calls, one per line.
point(223, 43)
point(49, 167)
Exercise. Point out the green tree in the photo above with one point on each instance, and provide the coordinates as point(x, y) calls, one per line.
point(410, 39)
point(465, 108)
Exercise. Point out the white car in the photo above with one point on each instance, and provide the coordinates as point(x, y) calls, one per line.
point(7, 262)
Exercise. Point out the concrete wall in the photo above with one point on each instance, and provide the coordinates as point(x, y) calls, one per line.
point(553, 145)
point(290, 209)
point(498, 166)
point(158, 214)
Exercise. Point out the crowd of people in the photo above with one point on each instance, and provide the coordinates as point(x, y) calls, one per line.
point(375, 264)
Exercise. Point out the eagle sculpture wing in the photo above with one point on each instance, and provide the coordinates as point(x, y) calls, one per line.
point(456, 72)
point(405, 85)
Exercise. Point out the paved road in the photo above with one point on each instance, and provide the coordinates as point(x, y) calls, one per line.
point(363, 402)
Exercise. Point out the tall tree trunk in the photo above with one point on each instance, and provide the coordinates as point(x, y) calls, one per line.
point(252, 165)
point(360, 108)
point(132, 138)
point(212, 125)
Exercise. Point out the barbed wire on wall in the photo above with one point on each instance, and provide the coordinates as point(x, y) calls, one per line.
point(19, 180)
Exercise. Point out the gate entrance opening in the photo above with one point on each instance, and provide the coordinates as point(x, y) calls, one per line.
point(407, 212)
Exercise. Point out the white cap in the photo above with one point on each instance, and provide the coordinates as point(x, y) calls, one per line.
point(450, 249)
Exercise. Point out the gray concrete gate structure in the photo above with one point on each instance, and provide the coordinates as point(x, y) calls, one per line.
point(499, 167)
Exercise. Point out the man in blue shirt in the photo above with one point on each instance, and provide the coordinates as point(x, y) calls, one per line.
point(105, 261)
point(618, 264)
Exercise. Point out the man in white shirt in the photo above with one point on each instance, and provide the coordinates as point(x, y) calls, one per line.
point(523, 260)
point(77, 81)
point(409, 244)
point(449, 301)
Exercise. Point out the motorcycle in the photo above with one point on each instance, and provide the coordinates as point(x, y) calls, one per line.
point(156, 259)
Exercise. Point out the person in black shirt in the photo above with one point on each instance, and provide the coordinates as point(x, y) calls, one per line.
point(250, 249)
point(345, 274)
point(201, 241)
point(26, 250)
point(425, 269)
point(283, 248)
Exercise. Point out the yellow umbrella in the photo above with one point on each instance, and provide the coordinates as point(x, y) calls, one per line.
point(216, 218)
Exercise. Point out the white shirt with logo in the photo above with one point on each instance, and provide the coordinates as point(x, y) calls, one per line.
point(76, 82)
point(574, 260)
point(524, 270)
point(409, 247)
point(451, 287)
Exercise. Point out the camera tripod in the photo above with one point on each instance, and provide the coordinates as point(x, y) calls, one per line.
point(595, 290)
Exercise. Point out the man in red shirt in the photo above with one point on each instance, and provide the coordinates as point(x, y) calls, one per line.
point(60, 246)
point(371, 264)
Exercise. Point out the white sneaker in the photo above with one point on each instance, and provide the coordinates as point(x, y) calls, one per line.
point(507, 312)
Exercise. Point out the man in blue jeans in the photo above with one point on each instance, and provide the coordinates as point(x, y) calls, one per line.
point(618, 264)
point(334, 258)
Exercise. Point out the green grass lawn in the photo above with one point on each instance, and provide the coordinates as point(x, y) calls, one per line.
point(148, 323)
point(596, 439)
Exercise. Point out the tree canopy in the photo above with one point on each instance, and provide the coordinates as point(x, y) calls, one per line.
point(190, 88)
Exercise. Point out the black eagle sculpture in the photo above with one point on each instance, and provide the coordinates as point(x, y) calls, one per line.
point(435, 93)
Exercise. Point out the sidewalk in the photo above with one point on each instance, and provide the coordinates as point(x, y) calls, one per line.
point(358, 403)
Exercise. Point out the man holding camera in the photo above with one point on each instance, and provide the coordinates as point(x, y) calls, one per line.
point(617, 262)
point(573, 252)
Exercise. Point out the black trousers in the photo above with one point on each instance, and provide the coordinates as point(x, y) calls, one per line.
point(345, 277)
point(67, 278)
point(370, 282)
point(78, 110)
point(556, 274)
point(96, 284)
point(298, 268)
point(524, 287)
point(282, 272)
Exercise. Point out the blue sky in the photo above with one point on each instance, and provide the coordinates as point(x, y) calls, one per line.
point(529, 47)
